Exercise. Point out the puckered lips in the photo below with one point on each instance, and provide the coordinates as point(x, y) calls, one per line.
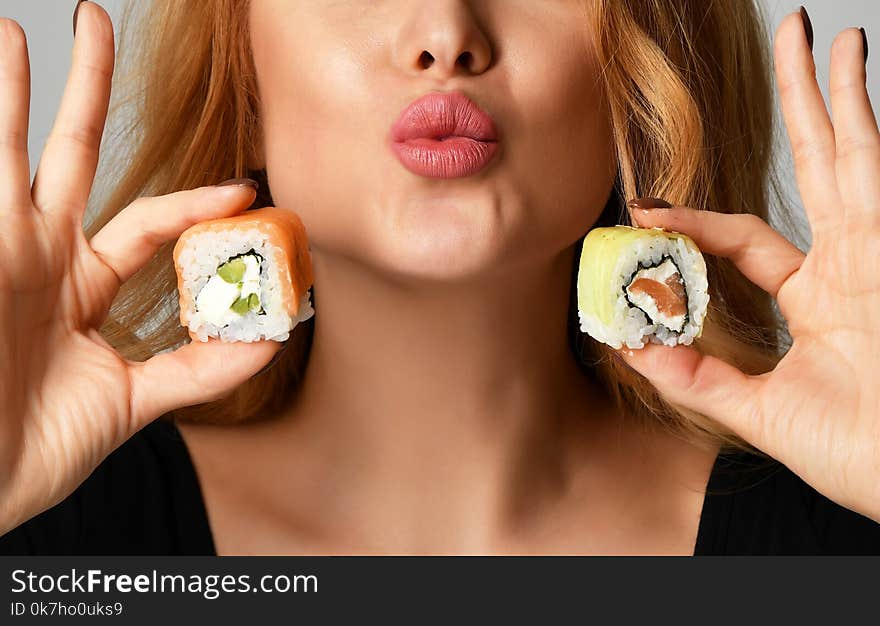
point(444, 135)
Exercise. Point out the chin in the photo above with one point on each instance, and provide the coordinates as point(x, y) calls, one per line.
point(444, 242)
point(442, 256)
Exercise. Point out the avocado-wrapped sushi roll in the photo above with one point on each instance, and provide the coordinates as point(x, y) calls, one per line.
point(244, 278)
point(636, 285)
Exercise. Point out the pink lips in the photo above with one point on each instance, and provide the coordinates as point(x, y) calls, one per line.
point(444, 135)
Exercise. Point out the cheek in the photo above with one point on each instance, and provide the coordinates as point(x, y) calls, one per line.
point(316, 111)
point(563, 160)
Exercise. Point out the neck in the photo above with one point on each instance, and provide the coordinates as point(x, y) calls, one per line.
point(443, 386)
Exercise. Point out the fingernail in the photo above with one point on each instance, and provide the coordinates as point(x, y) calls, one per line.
point(240, 182)
point(808, 27)
point(75, 11)
point(648, 203)
point(864, 43)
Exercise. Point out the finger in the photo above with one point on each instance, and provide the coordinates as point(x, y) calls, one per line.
point(807, 123)
point(67, 167)
point(193, 374)
point(856, 136)
point(763, 255)
point(134, 235)
point(702, 383)
point(15, 96)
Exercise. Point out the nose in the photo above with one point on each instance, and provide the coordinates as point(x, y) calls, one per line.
point(442, 38)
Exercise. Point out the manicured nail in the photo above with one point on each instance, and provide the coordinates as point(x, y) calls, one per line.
point(240, 182)
point(648, 203)
point(808, 27)
point(864, 43)
point(75, 11)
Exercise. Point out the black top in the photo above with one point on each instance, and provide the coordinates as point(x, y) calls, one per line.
point(145, 499)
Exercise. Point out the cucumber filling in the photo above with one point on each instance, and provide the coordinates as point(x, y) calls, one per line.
point(233, 291)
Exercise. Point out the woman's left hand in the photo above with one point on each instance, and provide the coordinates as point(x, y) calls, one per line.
point(818, 410)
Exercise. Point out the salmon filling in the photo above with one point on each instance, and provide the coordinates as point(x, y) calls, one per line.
point(660, 293)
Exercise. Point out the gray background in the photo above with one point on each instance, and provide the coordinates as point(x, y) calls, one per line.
point(48, 26)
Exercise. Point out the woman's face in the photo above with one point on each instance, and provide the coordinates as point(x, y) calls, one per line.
point(334, 75)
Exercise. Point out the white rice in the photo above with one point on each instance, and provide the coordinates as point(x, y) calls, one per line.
point(631, 327)
point(204, 253)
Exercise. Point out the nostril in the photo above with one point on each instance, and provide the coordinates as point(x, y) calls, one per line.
point(426, 60)
point(466, 59)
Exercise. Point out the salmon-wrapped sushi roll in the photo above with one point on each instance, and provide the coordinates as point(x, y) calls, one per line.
point(244, 278)
point(637, 285)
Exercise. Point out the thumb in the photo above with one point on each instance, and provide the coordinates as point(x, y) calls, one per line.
point(195, 373)
point(701, 383)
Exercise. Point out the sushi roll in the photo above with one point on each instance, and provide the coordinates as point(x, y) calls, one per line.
point(636, 285)
point(245, 277)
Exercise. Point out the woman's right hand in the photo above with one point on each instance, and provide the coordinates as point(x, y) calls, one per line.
point(67, 398)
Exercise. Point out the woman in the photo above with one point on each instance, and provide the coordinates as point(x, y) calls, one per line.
point(439, 401)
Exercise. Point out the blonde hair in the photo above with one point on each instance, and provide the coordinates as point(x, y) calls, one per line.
point(690, 96)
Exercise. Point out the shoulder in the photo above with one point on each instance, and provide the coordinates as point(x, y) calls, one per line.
point(142, 499)
point(759, 506)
